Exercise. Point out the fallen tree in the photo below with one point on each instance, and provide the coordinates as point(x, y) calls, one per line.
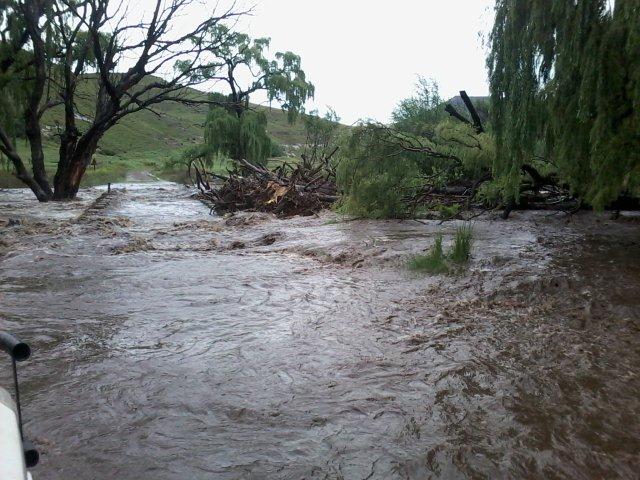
point(391, 172)
point(536, 193)
point(384, 172)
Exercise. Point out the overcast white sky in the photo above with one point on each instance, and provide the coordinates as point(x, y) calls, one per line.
point(364, 56)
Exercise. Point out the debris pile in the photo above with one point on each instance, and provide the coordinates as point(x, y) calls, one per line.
point(286, 191)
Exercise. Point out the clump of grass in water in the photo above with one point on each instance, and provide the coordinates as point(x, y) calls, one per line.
point(434, 261)
point(462, 244)
point(437, 262)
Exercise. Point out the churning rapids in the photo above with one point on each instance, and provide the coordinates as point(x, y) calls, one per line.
point(173, 344)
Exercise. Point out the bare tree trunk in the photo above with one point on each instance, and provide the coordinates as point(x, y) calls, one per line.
point(477, 123)
point(67, 180)
point(33, 131)
point(71, 168)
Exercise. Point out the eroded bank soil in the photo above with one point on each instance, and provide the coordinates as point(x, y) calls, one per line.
point(174, 344)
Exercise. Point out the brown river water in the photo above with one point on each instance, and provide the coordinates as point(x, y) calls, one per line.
point(174, 344)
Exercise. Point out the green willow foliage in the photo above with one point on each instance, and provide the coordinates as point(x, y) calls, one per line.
point(565, 85)
point(238, 137)
point(476, 151)
point(13, 90)
point(380, 167)
point(373, 179)
point(419, 113)
point(374, 174)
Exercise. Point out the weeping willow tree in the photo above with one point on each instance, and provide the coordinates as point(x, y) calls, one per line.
point(238, 136)
point(234, 128)
point(565, 87)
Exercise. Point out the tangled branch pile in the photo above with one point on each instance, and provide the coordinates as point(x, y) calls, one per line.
point(286, 191)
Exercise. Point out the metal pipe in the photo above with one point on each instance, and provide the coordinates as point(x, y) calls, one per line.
point(31, 455)
point(18, 350)
point(17, 388)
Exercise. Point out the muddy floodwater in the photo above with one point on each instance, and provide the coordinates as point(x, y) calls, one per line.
point(174, 344)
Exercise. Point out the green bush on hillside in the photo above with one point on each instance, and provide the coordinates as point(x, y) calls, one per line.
point(276, 150)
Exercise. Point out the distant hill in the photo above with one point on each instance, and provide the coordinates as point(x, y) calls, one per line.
point(177, 125)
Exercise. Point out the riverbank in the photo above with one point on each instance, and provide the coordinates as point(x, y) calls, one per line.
point(252, 347)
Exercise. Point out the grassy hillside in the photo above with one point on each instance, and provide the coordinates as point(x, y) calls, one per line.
point(144, 140)
point(176, 126)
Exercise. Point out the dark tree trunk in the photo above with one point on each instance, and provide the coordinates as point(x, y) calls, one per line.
point(32, 112)
point(69, 176)
point(477, 123)
point(451, 110)
point(75, 157)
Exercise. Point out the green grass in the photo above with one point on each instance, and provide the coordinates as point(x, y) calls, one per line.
point(436, 262)
point(108, 169)
point(462, 244)
point(174, 127)
point(447, 212)
point(433, 262)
